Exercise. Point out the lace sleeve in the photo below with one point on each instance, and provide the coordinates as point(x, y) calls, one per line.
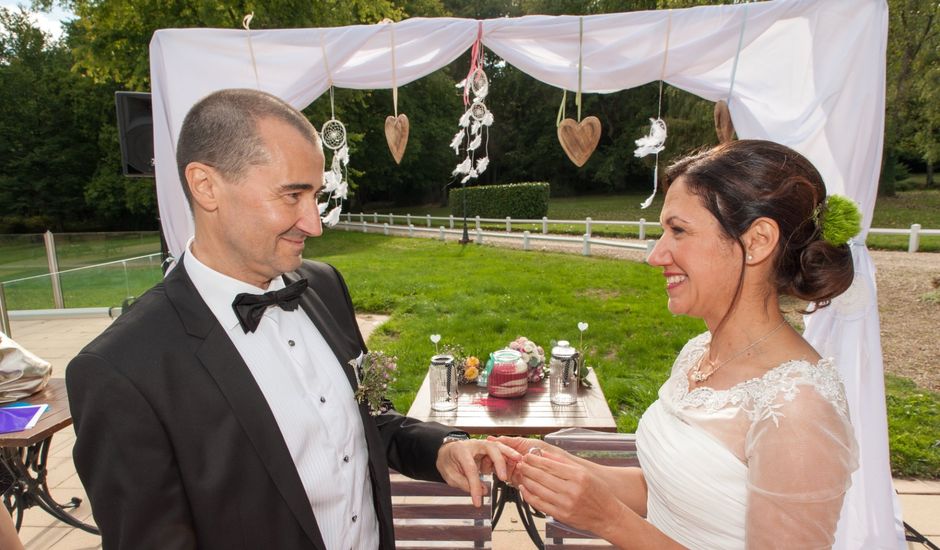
point(800, 452)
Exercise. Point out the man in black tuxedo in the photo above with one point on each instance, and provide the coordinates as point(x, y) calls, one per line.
point(219, 411)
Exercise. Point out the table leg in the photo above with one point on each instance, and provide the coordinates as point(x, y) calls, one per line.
point(503, 493)
point(31, 488)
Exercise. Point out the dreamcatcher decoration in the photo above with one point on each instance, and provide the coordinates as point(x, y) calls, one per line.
point(578, 138)
point(335, 183)
point(724, 127)
point(654, 142)
point(246, 24)
point(396, 127)
point(475, 123)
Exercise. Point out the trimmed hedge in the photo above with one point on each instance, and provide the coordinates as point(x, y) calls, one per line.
point(516, 200)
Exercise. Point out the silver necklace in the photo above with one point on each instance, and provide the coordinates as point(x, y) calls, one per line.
point(698, 376)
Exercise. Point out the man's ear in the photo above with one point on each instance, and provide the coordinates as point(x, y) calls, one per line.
point(760, 240)
point(203, 182)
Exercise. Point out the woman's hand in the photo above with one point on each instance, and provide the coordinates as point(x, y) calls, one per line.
point(561, 487)
point(522, 445)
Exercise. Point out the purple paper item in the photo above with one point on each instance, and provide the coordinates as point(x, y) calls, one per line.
point(19, 418)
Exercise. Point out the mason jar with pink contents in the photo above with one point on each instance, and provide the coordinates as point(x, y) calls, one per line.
point(509, 377)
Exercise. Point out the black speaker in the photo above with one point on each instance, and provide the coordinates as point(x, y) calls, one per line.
point(135, 132)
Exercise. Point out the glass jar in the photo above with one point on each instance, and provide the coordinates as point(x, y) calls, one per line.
point(443, 382)
point(563, 378)
point(510, 374)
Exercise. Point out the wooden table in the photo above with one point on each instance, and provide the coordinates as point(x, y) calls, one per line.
point(24, 458)
point(534, 414)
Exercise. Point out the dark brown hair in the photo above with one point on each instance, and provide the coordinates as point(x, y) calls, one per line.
point(221, 130)
point(741, 181)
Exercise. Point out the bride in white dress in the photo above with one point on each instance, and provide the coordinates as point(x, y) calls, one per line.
point(749, 444)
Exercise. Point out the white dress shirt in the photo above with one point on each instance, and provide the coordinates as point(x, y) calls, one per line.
point(312, 402)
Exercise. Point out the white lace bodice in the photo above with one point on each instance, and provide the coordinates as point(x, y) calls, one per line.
point(791, 455)
point(758, 398)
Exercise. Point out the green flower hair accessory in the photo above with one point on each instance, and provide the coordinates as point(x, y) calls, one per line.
point(839, 220)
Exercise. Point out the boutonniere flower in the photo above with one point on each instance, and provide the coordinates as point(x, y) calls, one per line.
point(376, 372)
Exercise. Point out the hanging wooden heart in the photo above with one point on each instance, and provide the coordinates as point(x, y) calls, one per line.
point(723, 125)
point(396, 133)
point(579, 139)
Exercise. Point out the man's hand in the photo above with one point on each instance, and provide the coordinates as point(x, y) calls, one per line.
point(462, 462)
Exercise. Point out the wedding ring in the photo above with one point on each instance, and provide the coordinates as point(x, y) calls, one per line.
point(535, 451)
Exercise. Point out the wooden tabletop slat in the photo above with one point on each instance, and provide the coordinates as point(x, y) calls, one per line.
point(56, 417)
point(533, 414)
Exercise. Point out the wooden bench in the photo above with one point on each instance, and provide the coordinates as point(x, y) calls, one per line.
point(610, 449)
point(434, 515)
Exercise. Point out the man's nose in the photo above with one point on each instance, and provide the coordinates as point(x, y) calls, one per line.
point(309, 221)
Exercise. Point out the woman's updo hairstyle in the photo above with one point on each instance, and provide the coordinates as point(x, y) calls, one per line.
point(741, 181)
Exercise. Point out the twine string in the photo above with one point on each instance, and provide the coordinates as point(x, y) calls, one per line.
point(394, 75)
point(577, 99)
point(246, 24)
point(326, 65)
point(662, 72)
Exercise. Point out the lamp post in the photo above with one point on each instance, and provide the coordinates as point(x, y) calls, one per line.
point(466, 236)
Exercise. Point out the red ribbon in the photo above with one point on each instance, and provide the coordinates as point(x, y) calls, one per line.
point(476, 62)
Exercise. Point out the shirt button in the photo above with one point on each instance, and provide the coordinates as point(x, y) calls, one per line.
point(322, 399)
point(290, 343)
point(354, 518)
point(346, 458)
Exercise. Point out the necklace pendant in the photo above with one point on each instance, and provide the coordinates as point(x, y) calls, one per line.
point(698, 377)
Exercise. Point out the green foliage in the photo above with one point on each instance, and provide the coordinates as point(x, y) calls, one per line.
point(525, 201)
point(913, 429)
point(912, 116)
point(46, 137)
point(841, 220)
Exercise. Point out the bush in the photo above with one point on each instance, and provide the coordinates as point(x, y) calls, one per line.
point(516, 200)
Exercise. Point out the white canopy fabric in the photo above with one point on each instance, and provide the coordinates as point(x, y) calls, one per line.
point(810, 75)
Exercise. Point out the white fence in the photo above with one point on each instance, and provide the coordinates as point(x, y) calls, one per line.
point(477, 233)
point(388, 222)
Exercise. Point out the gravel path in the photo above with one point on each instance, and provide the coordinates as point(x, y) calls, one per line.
point(910, 324)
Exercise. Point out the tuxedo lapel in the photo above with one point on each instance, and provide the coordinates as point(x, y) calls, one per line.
point(221, 359)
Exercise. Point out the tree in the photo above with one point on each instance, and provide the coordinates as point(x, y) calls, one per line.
point(913, 42)
point(47, 138)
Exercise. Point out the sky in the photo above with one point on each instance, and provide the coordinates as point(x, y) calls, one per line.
point(49, 22)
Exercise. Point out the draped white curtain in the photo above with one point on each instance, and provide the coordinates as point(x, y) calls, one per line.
point(810, 75)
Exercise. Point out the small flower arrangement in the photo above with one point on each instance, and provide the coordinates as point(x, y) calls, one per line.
point(533, 355)
point(468, 366)
point(376, 372)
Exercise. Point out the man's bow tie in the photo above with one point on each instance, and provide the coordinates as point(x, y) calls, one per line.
point(249, 308)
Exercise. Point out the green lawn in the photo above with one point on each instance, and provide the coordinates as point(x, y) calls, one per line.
point(908, 207)
point(24, 256)
point(483, 297)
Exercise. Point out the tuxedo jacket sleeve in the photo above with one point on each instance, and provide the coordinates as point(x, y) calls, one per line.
point(177, 447)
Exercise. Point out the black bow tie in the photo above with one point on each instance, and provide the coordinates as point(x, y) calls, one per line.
point(249, 308)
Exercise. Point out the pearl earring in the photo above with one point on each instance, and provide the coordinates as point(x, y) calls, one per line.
point(749, 257)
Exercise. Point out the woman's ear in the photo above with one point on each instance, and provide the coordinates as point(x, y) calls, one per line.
point(760, 240)
point(203, 183)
